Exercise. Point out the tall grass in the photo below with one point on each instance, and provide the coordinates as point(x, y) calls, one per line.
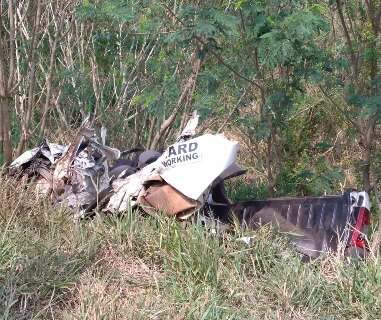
point(144, 267)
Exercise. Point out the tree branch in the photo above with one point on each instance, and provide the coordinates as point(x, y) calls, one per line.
point(188, 90)
point(213, 52)
point(12, 33)
point(343, 113)
point(232, 112)
point(347, 37)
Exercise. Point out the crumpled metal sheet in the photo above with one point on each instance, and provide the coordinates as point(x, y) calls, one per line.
point(35, 165)
point(314, 224)
point(73, 175)
point(81, 175)
point(50, 151)
point(83, 171)
point(126, 190)
point(190, 168)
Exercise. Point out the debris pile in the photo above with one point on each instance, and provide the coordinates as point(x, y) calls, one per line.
point(187, 177)
point(87, 175)
point(73, 175)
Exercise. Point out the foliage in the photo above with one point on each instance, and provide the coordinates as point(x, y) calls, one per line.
point(280, 76)
point(297, 83)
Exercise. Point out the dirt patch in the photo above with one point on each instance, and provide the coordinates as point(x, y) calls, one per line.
point(116, 287)
point(133, 271)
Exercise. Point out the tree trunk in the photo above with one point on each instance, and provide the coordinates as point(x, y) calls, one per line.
point(5, 134)
point(25, 124)
point(49, 79)
point(366, 169)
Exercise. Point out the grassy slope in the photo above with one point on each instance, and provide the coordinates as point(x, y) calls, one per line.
point(138, 267)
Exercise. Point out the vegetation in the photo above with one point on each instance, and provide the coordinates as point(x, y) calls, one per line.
point(296, 82)
point(136, 267)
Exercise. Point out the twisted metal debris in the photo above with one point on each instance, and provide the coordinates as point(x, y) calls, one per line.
point(88, 176)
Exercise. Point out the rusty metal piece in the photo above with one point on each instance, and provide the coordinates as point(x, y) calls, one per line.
point(157, 195)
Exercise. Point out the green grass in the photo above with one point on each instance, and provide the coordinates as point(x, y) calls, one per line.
point(142, 267)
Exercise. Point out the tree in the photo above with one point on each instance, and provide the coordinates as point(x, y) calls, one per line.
point(8, 78)
point(356, 72)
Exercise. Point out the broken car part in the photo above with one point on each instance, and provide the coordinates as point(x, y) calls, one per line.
point(315, 224)
point(189, 176)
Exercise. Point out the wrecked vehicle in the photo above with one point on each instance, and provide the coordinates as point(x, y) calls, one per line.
point(187, 177)
point(180, 180)
point(72, 175)
point(314, 224)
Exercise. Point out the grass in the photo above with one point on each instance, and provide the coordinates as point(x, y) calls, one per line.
point(139, 267)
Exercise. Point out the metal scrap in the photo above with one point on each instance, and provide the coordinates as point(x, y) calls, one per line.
point(187, 177)
point(71, 174)
point(87, 174)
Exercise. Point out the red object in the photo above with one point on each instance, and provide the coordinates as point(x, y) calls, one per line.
point(363, 219)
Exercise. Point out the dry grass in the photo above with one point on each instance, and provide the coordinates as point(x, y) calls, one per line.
point(136, 267)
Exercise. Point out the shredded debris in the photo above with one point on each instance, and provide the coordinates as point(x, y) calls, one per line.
point(188, 177)
point(87, 175)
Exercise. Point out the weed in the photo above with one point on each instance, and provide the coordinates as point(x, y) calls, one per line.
point(144, 267)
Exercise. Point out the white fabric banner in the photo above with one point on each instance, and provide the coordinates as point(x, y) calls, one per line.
point(191, 166)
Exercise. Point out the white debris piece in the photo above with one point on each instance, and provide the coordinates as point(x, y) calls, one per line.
point(24, 158)
point(126, 190)
point(190, 167)
point(190, 128)
point(50, 151)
